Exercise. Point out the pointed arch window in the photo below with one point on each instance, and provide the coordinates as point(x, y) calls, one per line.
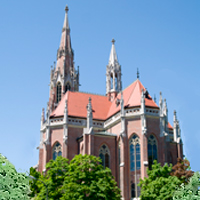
point(134, 152)
point(134, 145)
point(104, 154)
point(67, 87)
point(58, 92)
point(152, 150)
point(119, 158)
point(57, 150)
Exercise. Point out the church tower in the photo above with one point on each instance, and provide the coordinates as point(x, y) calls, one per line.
point(63, 76)
point(113, 75)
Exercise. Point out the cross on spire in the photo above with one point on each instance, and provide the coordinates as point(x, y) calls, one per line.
point(138, 74)
point(113, 41)
point(66, 8)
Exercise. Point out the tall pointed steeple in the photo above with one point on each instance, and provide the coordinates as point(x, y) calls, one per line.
point(113, 55)
point(65, 51)
point(113, 74)
point(64, 77)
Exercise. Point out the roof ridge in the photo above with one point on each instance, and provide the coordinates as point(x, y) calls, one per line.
point(129, 85)
point(89, 93)
point(132, 90)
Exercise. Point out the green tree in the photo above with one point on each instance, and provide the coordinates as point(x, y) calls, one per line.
point(82, 178)
point(53, 179)
point(190, 191)
point(87, 179)
point(159, 185)
point(34, 184)
point(13, 185)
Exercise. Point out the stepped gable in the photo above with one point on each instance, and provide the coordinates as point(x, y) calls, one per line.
point(77, 102)
point(132, 98)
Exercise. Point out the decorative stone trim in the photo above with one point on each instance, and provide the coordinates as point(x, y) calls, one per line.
point(77, 122)
point(132, 112)
point(112, 120)
point(153, 112)
point(105, 134)
point(98, 124)
point(101, 124)
point(56, 122)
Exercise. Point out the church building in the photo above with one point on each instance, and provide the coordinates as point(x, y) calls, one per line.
point(124, 127)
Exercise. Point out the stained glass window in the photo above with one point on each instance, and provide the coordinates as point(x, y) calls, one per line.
point(134, 145)
point(57, 150)
point(134, 152)
point(104, 154)
point(152, 150)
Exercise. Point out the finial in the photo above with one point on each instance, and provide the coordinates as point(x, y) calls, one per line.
point(89, 99)
point(154, 98)
point(66, 8)
point(175, 117)
point(66, 104)
point(113, 41)
point(174, 112)
point(138, 74)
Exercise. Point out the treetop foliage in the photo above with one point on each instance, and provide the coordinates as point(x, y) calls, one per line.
point(190, 191)
point(13, 185)
point(159, 184)
point(81, 178)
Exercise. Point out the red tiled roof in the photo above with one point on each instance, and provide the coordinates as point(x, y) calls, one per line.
point(169, 126)
point(132, 98)
point(102, 107)
point(77, 102)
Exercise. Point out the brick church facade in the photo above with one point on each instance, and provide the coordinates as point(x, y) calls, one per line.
point(125, 128)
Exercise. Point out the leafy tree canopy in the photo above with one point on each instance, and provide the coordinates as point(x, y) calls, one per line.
point(53, 180)
point(190, 191)
point(83, 178)
point(159, 184)
point(13, 185)
point(34, 184)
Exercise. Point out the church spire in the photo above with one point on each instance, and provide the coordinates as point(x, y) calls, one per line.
point(113, 74)
point(66, 23)
point(65, 48)
point(66, 34)
point(113, 55)
point(65, 77)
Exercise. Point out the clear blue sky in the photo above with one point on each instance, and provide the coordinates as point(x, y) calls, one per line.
point(161, 38)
